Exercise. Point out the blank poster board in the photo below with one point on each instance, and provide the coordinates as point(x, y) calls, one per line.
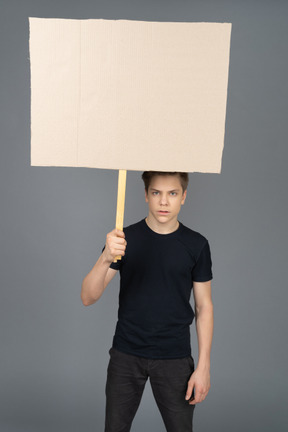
point(132, 95)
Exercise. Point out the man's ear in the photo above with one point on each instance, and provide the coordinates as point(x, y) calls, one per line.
point(184, 197)
point(146, 195)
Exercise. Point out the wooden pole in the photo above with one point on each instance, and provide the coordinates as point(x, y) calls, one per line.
point(120, 203)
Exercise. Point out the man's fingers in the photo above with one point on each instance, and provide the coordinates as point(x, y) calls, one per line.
point(189, 390)
point(118, 240)
point(115, 248)
point(115, 244)
point(111, 237)
point(118, 232)
point(199, 397)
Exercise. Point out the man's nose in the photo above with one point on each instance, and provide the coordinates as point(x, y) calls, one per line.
point(163, 199)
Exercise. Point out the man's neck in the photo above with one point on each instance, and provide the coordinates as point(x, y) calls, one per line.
point(162, 228)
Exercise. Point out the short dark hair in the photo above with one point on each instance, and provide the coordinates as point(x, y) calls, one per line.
point(148, 175)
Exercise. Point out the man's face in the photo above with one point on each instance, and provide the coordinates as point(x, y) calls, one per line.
point(165, 197)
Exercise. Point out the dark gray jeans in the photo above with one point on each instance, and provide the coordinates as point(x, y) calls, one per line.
point(126, 379)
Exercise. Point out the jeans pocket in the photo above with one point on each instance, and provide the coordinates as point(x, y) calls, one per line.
point(191, 363)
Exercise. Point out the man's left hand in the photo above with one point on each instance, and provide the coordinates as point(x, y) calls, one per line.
point(200, 381)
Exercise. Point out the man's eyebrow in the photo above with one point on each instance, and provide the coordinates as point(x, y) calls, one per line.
point(173, 190)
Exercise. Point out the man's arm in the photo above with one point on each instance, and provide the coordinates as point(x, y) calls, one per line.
point(200, 379)
point(101, 274)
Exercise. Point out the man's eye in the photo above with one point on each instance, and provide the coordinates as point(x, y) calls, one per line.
point(155, 193)
point(174, 193)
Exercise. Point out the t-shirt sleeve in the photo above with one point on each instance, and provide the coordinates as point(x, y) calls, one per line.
point(115, 266)
point(202, 271)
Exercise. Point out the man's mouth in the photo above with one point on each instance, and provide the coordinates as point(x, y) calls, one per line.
point(163, 211)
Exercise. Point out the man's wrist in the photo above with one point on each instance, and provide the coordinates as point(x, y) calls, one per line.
point(203, 364)
point(105, 260)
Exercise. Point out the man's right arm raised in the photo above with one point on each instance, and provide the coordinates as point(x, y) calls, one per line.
point(101, 274)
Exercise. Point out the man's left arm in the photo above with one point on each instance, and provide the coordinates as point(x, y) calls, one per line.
point(200, 379)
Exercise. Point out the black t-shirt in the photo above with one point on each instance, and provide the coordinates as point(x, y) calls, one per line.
point(156, 278)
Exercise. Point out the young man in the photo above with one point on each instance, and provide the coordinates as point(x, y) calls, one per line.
point(162, 260)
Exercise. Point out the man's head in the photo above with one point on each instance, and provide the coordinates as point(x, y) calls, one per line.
point(165, 193)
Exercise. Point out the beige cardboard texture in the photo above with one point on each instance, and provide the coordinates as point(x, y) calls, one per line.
point(133, 95)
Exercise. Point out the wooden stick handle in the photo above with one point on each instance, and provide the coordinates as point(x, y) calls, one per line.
point(120, 203)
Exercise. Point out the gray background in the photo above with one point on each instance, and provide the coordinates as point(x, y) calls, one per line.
point(54, 351)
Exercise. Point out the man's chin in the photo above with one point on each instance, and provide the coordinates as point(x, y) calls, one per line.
point(163, 218)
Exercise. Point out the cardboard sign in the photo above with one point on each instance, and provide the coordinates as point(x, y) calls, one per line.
point(130, 95)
